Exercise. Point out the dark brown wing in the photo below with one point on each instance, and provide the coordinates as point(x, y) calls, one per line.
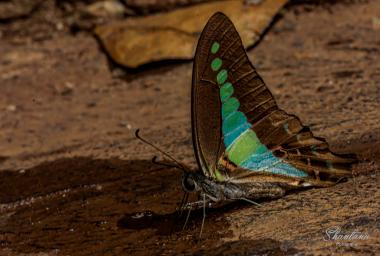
point(281, 133)
point(205, 103)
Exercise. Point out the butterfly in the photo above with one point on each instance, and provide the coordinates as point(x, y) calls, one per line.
point(246, 147)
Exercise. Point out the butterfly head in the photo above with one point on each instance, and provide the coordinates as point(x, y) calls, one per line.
point(190, 182)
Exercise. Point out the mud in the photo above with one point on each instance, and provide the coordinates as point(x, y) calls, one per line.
point(73, 175)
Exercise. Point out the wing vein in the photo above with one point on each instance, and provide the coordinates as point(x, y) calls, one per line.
point(245, 75)
point(259, 105)
point(229, 46)
point(256, 90)
point(236, 61)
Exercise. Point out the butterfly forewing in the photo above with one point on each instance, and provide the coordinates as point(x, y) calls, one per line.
point(238, 129)
point(206, 115)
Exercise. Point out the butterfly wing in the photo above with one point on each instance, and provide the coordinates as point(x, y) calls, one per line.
point(205, 103)
point(239, 132)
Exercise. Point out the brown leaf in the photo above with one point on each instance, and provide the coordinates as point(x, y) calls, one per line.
point(173, 35)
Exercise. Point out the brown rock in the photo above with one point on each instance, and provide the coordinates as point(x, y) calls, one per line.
point(87, 17)
point(106, 9)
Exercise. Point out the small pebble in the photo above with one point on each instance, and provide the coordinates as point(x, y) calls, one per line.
point(11, 108)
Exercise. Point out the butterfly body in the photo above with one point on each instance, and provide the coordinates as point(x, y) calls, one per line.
point(218, 192)
point(245, 145)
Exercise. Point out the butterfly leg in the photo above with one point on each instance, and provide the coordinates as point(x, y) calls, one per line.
point(204, 215)
point(183, 203)
point(180, 210)
point(187, 218)
point(201, 203)
point(198, 204)
point(190, 207)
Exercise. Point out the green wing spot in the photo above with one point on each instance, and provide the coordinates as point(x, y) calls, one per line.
point(216, 64)
point(230, 106)
point(222, 76)
point(226, 91)
point(215, 47)
point(244, 146)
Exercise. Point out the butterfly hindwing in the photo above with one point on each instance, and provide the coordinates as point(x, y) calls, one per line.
point(238, 129)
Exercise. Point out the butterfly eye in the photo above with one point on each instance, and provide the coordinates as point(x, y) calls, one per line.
point(188, 183)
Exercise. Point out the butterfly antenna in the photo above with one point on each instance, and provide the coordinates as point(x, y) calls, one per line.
point(179, 165)
point(180, 210)
point(154, 161)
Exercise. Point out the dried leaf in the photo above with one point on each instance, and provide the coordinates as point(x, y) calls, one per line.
point(173, 35)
